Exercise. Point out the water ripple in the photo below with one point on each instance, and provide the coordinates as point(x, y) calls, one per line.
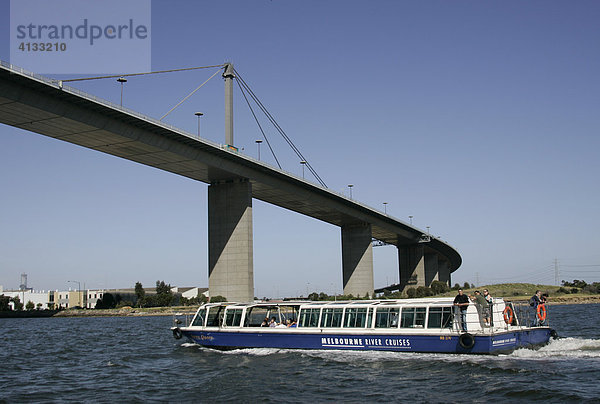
point(135, 359)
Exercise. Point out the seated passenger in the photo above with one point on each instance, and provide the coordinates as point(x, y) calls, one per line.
point(265, 322)
point(273, 323)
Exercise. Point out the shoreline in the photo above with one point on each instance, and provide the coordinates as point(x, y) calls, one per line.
point(560, 300)
point(191, 310)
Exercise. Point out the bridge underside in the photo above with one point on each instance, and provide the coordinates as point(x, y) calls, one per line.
point(38, 105)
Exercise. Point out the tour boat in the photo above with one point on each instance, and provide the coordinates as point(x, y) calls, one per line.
point(407, 325)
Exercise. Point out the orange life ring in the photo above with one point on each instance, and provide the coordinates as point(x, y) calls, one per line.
point(508, 315)
point(541, 312)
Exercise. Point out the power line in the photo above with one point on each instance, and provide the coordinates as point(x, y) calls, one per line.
point(527, 274)
point(584, 271)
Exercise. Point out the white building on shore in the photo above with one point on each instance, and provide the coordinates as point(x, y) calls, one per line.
point(41, 299)
point(65, 299)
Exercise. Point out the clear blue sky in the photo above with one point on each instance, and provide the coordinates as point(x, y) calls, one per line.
point(480, 119)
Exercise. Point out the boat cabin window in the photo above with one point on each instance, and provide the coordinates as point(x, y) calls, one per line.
point(387, 317)
point(331, 317)
point(309, 318)
point(233, 317)
point(200, 317)
point(413, 317)
point(357, 317)
point(440, 317)
point(215, 316)
point(288, 313)
point(255, 316)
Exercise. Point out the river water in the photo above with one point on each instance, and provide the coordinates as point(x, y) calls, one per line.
point(136, 359)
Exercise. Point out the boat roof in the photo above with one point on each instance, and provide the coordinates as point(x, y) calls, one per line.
point(342, 303)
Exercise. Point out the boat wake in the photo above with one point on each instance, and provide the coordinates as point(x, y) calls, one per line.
point(189, 345)
point(563, 348)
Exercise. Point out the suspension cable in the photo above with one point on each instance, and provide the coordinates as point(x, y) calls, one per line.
point(279, 129)
point(258, 123)
point(288, 140)
point(189, 95)
point(141, 74)
point(243, 85)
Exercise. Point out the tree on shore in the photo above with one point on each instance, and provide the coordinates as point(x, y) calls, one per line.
point(164, 295)
point(140, 294)
point(108, 301)
point(4, 300)
point(18, 306)
point(439, 287)
point(29, 306)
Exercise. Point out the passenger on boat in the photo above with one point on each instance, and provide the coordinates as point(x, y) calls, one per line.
point(273, 323)
point(534, 302)
point(480, 305)
point(461, 303)
point(265, 322)
point(487, 312)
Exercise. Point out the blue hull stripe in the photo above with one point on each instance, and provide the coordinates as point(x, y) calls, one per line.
point(484, 344)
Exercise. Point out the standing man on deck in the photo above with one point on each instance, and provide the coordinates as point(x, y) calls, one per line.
point(490, 302)
point(461, 303)
point(534, 302)
point(482, 308)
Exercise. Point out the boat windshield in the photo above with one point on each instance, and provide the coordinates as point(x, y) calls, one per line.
point(215, 316)
point(200, 317)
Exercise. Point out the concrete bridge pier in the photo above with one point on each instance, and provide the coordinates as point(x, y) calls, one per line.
point(230, 247)
point(444, 271)
point(357, 259)
point(411, 262)
point(431, 268)
point(419, 267)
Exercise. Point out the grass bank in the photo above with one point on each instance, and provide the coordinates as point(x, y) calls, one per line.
point(523, 291)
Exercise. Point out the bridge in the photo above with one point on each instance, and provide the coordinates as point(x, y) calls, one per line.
point(45, 106)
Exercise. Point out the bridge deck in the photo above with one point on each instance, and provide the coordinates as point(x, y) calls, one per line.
point(40, 105)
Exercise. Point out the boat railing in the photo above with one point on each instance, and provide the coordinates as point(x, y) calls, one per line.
point(528, 316)
point(182, 319)
point(500, 316)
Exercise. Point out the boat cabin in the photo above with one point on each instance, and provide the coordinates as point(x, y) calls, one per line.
point(436, 314)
